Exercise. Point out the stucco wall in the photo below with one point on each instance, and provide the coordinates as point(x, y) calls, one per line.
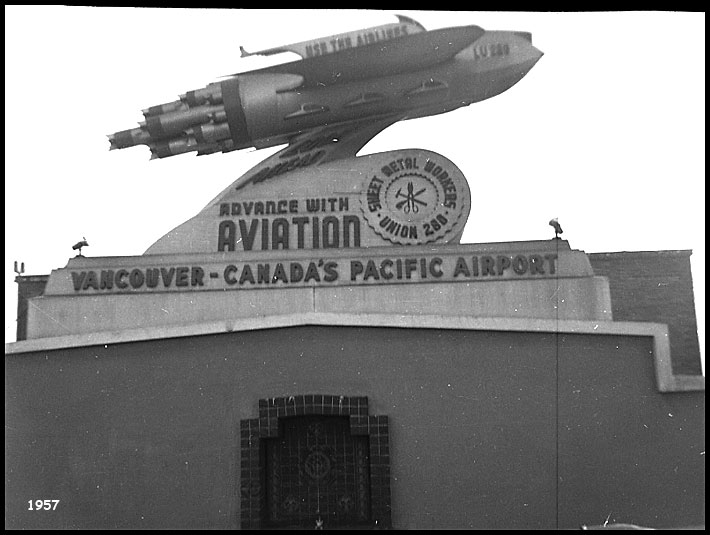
point(482, 426)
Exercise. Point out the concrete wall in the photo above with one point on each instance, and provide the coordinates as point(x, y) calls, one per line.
point(487, 429)
point(579, 299)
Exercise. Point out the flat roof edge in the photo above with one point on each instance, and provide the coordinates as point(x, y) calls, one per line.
point(667, 382)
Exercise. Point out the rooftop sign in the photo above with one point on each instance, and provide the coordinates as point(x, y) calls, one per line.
point(261, 270)
point(407, 197)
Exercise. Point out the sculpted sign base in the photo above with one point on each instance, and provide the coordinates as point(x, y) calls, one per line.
point(405, 197)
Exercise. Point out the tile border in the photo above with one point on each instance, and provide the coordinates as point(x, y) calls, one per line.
point(266, 425)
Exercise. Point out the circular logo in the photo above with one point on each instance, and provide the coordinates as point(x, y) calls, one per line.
point(317, 465)
point(415, 199)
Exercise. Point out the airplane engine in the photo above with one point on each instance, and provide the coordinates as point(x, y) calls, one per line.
point(260, 97)
point(223, 116)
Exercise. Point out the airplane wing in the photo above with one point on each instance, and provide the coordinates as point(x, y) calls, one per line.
point(334, 43)
point(313, 148)
point(400, 54)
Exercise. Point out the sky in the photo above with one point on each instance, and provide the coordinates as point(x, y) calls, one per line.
point(606, 132)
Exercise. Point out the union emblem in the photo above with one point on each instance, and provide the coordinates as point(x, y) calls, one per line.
point(415, 199)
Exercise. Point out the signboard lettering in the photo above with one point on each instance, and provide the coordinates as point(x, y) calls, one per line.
point(413, 201)
point(345, 41)
point(354, 270)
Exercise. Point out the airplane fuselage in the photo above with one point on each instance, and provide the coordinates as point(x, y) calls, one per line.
point(496, 62)
point(268, 107)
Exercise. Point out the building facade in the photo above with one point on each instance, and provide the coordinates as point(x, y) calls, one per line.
point(515, 399)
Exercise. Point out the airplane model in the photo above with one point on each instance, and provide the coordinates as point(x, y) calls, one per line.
point(359, 82)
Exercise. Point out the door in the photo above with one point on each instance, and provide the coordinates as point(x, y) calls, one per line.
point(316, 471)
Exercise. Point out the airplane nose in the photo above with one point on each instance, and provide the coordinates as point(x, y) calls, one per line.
point(525, 52)
point(535, 53)
point(529, 55)
point(532, 56)
point(529, 52)
point(538, 53)
point(507, 69)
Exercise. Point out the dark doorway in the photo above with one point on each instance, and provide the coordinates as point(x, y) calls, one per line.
point(317, 471)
